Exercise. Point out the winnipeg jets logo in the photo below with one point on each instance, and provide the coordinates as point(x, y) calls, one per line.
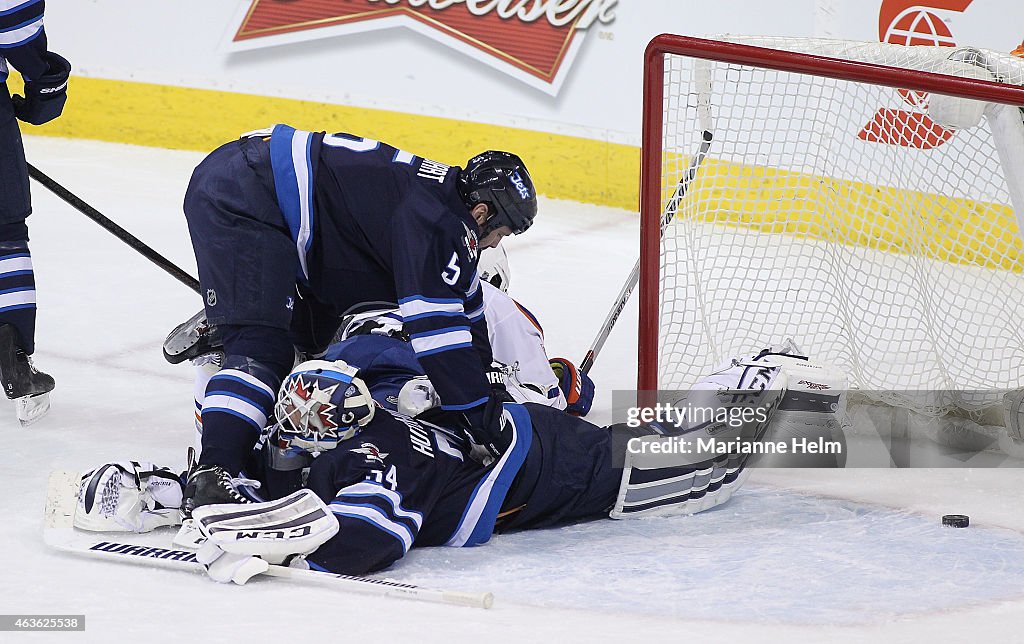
point(517, 181)
point(472, 243)
point(372, 453)
point(312, 407)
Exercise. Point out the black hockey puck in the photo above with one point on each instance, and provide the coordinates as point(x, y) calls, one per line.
point(956, 520)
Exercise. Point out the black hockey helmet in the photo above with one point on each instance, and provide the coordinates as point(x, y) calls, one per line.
point(500, 180)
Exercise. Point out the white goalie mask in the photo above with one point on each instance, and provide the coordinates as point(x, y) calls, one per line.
point(493, 267)
point(321, 404)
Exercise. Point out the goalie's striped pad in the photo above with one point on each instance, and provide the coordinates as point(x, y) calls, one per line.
point(298, 524)
point(668, 491)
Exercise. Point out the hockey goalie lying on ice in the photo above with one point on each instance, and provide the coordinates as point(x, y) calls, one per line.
point(378, 483)
point(344, 481)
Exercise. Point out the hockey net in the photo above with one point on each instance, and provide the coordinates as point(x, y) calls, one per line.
point(841, 201)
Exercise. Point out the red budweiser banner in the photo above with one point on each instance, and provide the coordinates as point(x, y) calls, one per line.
point(535, 37)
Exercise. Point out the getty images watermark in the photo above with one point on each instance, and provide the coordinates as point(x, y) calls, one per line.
point(718, 430)
point(827, 428)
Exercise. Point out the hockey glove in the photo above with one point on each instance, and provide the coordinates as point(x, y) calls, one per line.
point(44, 96)
point(576, 386)
point(128, 496)
point(486, 424)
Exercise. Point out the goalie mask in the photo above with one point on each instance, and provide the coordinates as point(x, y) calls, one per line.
point(321, 404)
point(493, 268)
point(500, 180)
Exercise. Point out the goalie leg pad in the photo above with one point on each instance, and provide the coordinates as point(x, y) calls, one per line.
point(699, 462)
point(672, 491)
point(813, 409)
point(298, 524)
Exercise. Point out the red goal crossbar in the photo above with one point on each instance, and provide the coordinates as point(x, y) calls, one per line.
point(651, 200)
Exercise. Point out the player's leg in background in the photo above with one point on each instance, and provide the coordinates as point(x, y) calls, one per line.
point(17, 281)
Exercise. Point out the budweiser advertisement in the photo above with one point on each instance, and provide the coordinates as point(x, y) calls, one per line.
point(534, 41)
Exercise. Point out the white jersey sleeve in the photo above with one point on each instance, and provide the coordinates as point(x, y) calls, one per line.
point(517, 344)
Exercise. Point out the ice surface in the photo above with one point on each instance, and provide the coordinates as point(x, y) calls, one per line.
point(800, 556)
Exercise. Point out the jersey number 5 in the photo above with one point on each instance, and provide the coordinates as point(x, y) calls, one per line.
point(361, 144)
point(451, 273)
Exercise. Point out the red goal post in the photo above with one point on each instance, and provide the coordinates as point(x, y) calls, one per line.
point(653, 191)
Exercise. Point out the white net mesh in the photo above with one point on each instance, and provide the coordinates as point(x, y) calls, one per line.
point(839, 214)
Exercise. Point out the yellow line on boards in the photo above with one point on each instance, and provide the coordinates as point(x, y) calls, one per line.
point(181, 118)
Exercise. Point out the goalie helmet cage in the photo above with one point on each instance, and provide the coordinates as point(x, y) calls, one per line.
point(833, 209)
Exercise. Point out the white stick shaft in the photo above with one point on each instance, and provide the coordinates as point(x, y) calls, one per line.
point(59, 533)
point(381, 587)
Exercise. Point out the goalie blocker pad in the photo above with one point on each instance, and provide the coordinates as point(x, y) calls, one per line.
point(678, 471)
point(298, 524)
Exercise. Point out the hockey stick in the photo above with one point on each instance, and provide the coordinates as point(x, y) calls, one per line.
point(59, 533)
point(137, 244)
point(634, 275)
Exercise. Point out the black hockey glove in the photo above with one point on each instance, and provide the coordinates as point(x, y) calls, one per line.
point(486, 423)
point(44, 96)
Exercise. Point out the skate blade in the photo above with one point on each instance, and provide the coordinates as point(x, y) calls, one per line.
point(32, 408)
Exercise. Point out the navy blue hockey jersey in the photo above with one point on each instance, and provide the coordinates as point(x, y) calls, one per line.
point(374, 223)
point(401, 483)
point(22, 39)
point(385, 364)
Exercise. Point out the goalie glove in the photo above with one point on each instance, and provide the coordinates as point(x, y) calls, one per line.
point(133, 496)
point(576, 386)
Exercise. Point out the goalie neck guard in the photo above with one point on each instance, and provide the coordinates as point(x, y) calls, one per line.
point(500, 180)
point(321, 404)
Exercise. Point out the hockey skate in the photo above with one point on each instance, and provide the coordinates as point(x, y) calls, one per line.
point(191, 339)
point(211, 484)
point(22, 382)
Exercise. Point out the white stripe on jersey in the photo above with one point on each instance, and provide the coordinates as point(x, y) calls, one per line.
point(225, 402)
point(17, 298)
point(422, 306)
point(14, 264)
point(440, 341)
point(365, 488)
point(9, 6)
point(249, 379)
point(300, 140)
point(17, 36)
point(376, 517)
